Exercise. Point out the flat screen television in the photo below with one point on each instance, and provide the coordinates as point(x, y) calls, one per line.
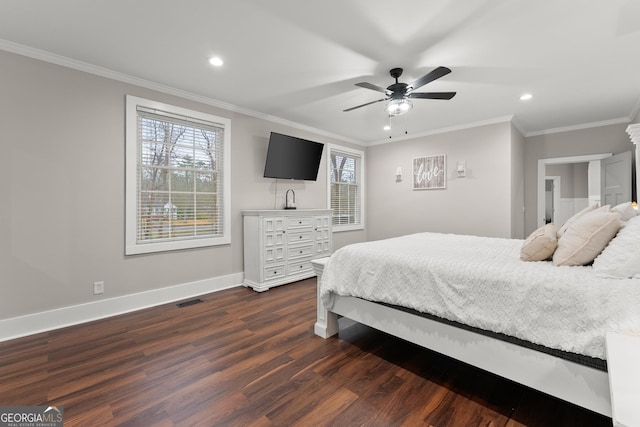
point(289, 157)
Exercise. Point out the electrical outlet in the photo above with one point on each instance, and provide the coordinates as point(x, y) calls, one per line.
point(98, 288)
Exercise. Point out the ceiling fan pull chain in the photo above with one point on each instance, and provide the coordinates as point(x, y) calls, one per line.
point(406, 120)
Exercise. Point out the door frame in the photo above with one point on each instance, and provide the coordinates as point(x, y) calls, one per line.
point(542, 164)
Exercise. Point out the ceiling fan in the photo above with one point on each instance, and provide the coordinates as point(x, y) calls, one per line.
point(400, 94)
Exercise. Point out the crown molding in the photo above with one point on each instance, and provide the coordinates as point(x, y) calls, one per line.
point(455, 128)
point(620, 120)
point(516, 124)
point(67, 62)
point(634, 112)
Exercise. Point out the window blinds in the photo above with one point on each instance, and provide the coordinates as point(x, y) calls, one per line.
point(180, 177)
point(345, 188)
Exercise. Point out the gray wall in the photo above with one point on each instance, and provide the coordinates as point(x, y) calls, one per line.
point(596, 140)
point(574, 179)
point(517, 184)
point(62, 190)
point(480, 204)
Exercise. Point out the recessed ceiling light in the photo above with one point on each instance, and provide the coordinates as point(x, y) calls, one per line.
point(387, 127)
point(215, 61)
point(526, 97)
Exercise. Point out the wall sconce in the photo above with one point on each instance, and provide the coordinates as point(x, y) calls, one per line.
point(461, 169)
point(398, 174)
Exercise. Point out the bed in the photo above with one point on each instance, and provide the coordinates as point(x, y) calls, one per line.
point(473, 298)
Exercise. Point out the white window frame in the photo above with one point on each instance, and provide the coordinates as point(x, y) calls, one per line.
point(131, 179)
point(360, 179)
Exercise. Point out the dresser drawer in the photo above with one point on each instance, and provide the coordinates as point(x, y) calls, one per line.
point(300, 237)
point(300, 251)
point(302, 266)
point(274, 272)
point(301, 222)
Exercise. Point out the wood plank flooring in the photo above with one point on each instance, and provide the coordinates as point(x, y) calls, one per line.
point(242, 358)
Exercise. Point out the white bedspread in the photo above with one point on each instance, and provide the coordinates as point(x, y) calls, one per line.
point(482, 282)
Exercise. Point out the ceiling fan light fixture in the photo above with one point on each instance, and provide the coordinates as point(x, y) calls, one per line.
point(396, 107)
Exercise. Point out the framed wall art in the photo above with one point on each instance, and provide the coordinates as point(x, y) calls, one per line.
point(430, 172)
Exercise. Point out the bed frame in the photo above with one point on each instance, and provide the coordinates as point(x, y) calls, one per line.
point(582, 385)
point(570, 381)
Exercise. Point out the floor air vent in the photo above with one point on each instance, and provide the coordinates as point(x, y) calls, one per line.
point(188, 303)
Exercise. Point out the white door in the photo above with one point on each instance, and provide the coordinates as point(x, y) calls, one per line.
point(615, 179)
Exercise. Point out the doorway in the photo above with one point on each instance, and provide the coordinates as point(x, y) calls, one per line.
point(542, 164)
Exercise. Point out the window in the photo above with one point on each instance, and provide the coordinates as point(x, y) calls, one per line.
point(177, 178)
point(346, 191)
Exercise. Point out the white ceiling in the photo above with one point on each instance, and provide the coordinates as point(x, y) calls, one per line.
point(298, 60)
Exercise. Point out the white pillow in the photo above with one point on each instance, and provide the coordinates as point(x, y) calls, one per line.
point(567, 224)
point(621, 258)
point(625, 210)
point(540, 244)
point(586, 238)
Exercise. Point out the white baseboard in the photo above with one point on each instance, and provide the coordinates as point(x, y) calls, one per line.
point(29, 324)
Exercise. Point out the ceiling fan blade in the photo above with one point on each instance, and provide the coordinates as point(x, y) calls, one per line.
point(432, 95)
point(433, 75)
point(372, 87)
point(364, 105)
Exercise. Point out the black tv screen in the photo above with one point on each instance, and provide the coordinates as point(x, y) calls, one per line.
point(289, 157)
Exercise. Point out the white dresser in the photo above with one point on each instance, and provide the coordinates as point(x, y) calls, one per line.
point(280, 244)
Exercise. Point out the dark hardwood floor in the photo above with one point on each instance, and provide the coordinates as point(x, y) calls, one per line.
point(242, 358)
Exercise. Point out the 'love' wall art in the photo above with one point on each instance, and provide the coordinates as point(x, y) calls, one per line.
point(429, 172)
